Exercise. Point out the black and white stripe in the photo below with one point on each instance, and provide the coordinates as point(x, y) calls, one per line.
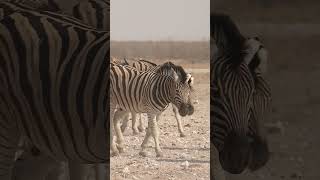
point(144, 65)
point(240, 96)
point(53, 87)
point(145, 92)
point(95, 13)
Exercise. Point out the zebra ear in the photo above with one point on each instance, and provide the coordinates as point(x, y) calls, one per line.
point(174, 75)
point(190, 79)
point(255, 56)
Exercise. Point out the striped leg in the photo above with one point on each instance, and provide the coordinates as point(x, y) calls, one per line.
point(153, 130)
point(114, 150)
point(125, 121)
point(141, 127)
point(119, 114)
point(134, 123)
point(178, 118)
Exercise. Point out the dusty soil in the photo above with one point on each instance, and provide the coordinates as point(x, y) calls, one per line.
point(194, 149)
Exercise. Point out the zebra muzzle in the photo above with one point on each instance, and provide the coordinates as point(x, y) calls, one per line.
point(184, 110)
point(190, 109)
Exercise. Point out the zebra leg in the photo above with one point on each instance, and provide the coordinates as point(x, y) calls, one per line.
point(178, 118)
point(145, 142)
point(141, 127)
point(114, 149)
point(119, 114)
point(154, 129)
point(134, 123)
point(124, 124)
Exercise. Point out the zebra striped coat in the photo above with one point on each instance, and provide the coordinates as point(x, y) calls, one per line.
point(145, 92)
point(53, 87)
point(144, 65)
point(95, 13)
point(240, 97)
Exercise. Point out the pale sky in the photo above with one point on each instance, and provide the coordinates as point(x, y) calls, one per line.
point(186, 20)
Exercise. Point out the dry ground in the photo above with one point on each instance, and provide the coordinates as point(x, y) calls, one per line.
point(194, 148)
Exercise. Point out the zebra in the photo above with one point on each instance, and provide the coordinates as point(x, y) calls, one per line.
point(45, 100)
point(240, 97)
point(144, 65)
point(144, 92)
point(95, 13)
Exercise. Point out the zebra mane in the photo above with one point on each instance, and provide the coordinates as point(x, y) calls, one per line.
point(227, 36)
point(148, 62)
point(125, 61)
point(183, 76)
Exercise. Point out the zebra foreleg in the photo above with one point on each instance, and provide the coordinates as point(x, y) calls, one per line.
point(134, 123)
point(119, 114)
point(179, 123)
point(154, 129)
point(114, 149)
point(145, 142)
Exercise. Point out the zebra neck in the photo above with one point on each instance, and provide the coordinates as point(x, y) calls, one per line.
point(162, 92)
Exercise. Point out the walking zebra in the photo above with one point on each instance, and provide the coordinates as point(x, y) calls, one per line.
point(145, 92)
point(144, 65)
point(240, 97)
point(54, 79)
point(95, 13)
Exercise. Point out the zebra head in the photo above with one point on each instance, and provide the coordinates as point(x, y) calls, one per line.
point(239, 97)
point(183, 87)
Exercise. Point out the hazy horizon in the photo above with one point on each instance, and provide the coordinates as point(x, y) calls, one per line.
point(154, 20)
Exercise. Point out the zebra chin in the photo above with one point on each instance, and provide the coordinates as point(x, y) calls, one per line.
point(236, 153)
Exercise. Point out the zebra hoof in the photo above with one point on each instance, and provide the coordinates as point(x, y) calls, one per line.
point(143, 153)
point(182, 135)
point(135, 132)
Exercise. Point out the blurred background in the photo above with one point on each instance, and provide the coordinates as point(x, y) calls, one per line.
point(175, 30)
point(290, 29)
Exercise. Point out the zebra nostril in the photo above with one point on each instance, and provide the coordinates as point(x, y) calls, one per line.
point(190, 109)
point(183, 110)
point(234, 157)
